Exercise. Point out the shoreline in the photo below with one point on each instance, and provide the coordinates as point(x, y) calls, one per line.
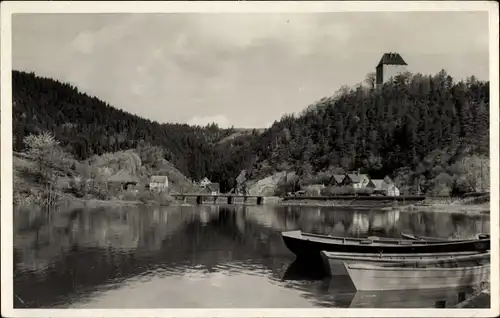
point(484, 208)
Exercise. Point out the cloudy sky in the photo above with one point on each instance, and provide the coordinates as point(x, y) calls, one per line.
point(238, 69)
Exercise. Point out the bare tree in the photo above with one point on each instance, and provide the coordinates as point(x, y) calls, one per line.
point(370, 80)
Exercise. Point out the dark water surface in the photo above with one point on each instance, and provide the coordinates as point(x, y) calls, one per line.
point(205, 256)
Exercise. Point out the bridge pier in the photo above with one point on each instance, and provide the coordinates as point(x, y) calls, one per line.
point(200, 198)
point(461, 297)
point(440, 304)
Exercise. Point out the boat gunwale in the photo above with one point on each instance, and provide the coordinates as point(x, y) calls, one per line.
point(353, 266)
point(393, 267)
point(383, 255)
point(353, 241)
point(429, 238)
point(403, 259)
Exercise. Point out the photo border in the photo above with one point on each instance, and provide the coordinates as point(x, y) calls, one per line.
point(12, 7)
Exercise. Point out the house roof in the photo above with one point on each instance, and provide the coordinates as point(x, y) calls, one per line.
point(380, 184)
point(391, 59)
point(338, 177)
point(355, 177)
point(123, 176)
point(213, 187)
point(159, 179)
point(205, 180)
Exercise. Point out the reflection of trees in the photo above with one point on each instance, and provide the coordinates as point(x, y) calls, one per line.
point(82, 249)
point(444, 225)
point(408, 298)
point(128, 243)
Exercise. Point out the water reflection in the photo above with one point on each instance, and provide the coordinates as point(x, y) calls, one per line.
point(95, 257)
point(432, 298)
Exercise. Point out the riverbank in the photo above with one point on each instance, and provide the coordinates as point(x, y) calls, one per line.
point(69, 203)
point(483, 208)
point(336, 203)
point(452, 207)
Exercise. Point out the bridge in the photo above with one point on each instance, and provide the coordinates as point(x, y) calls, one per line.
point(231, 198)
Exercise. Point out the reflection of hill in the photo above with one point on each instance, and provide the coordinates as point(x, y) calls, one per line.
point(118, 229)
point(82, 249)
point(129, 243)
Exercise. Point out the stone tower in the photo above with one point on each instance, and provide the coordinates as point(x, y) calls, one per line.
point(389, 66)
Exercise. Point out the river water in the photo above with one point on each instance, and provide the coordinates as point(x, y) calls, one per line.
point(206, 256)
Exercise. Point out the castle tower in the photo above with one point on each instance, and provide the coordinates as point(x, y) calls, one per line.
point(389, 66)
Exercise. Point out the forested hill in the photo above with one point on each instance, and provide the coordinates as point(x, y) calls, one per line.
point(87, 126)
point(421, 125)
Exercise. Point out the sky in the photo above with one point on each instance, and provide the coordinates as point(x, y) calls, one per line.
point(239, 69)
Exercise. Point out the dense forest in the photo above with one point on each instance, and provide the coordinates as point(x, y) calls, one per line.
point(422, 125)
point(87, 126)
point(382, 130)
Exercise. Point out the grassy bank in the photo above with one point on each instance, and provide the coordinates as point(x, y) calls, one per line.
point(483, 208)
point(336, 203)
point(445, 206)
point(69, 202)
point(50, 182)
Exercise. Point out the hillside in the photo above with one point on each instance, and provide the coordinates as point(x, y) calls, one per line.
point(424, 131)
point(87, 126)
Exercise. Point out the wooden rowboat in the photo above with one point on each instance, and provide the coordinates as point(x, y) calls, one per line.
point(455, 272)
point(333, 261)
point(305, 245)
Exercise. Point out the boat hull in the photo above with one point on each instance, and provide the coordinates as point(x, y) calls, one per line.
point(304, 246)
point(333, 262)
point(367, 277)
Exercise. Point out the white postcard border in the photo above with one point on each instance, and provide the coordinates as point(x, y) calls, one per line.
point(12, 7)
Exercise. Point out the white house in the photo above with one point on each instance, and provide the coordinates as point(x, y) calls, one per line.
point(158, 183)
point(213, 188)
point(357, 180)
point(204, 182)
point(383, 187)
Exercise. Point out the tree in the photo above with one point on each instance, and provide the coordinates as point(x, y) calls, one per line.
point(477, 172)
point(47, 154)
point(370, 80)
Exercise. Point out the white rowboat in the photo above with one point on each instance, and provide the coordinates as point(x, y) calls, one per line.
point(443, 273)
point(332, 261)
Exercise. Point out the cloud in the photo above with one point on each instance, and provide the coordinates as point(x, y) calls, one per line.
point(251, 68)
point(84, 42)
point(220, 120)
